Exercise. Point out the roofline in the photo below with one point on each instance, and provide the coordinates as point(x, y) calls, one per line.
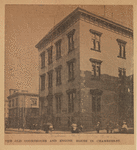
point(56, 26)
point(106, 19)
point(83, 11)
point(19, 93)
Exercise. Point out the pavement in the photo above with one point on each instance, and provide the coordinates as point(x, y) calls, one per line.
point(28, 131)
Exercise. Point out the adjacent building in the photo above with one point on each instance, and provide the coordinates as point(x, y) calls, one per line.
point(23, 109)
point(86, 72)
point(6, 111)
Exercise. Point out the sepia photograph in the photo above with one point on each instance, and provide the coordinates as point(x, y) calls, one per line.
point(69, 74)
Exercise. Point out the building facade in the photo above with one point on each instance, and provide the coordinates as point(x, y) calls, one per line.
point(23, 109)
point(6, 111)
point(86, 64)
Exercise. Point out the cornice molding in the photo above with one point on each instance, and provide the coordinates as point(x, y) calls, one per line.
point(96, 92)
point(58, 94)
point(72, 60)
point(71, 91)
point(81, 14)
point(50, 48)
point(121, 41)
point(71, 32)
point(95, 32)
point(50, 72)
point(57, 42)
point(25, 94)
point(59, 67)
point(108, 25)
point(95, 60)
point(44, 74)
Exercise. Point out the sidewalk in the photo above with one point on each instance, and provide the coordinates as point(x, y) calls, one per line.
point(25, 130)
point(16, 131)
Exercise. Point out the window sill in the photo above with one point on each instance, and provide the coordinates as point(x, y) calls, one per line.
point(43, 67)
point(58, 112)
point(96, 112)
point(57, 58)
point(121, 57)
point(71, 112)
point(42, 89)
point(50, 63)
point(71, 50)
point(72, 79)
point(57, 84)
point(50, 87)
point(95, 50)
point(95, 78)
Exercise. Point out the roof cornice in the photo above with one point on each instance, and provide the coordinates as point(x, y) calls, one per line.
point(19, 93)
point(58, 27)
point(80, 13)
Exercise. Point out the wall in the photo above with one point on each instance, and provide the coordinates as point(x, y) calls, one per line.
point(109, 51)
point(64, 71)
point(108, 81)
point(16, 113)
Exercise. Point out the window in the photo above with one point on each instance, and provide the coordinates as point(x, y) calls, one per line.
point(71, 40)
point(42, 82)
point(122, 51)
point(34, 112)
point(95, 40)
point(58, 49)
point(122, 72)
point(16, 101)
point(96, 99)
point(58, 75)
point(96, 67)
point(34, 101)
point(71, 64)
point(58, 121)
point(71, 98)
point(17, 113)
point(42, 59)
point(50, 54)
point(9, 103)
point(96, 103)
point(13, 103)
point(58, 104)
point(50, 104)
point(50, 76)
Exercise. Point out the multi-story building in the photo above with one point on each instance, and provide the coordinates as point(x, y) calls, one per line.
point(6, 110)
point(85, 61)
point(23, 109)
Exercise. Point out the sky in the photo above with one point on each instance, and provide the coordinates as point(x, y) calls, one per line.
point(26, 25)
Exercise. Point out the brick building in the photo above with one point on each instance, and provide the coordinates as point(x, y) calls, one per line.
point(85, 69)
point(6, 111)
point(23, 109)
